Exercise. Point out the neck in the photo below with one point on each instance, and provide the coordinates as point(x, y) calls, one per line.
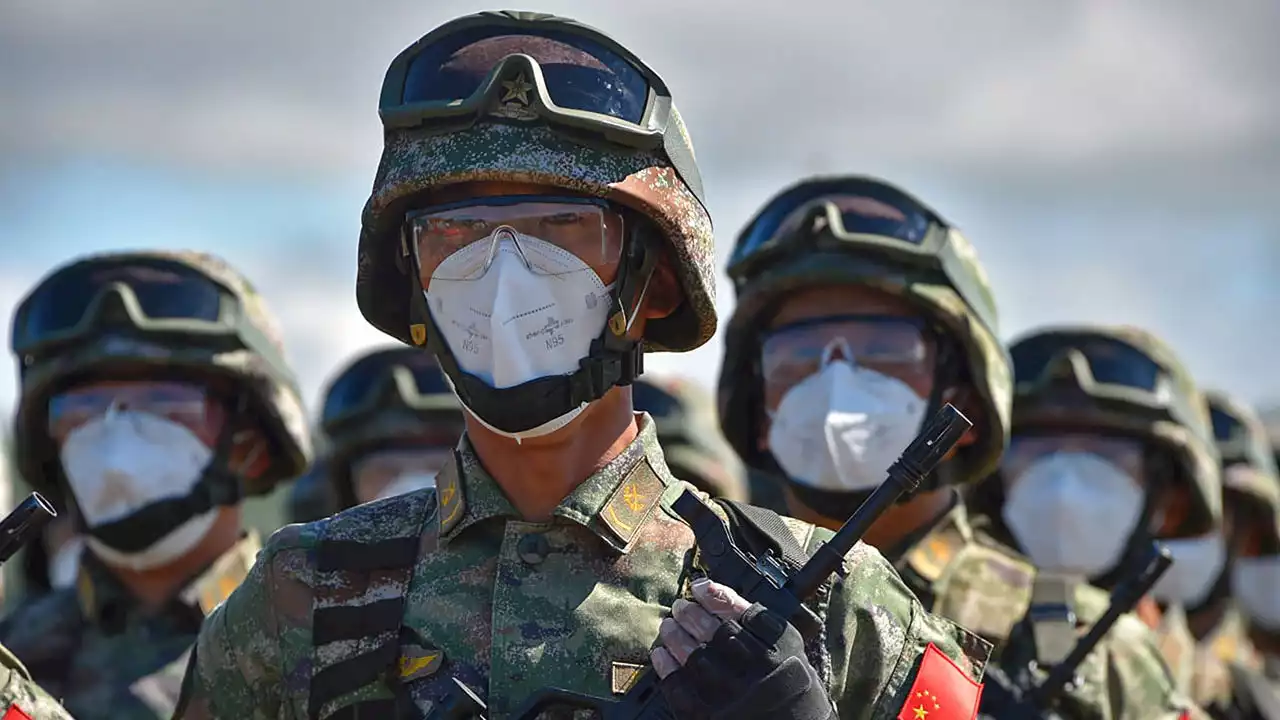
point(899, 522)
point(537, 474)
point(156, 586)
point(1149, 612)
point(1203, 621)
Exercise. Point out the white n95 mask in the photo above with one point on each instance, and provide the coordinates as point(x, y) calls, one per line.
point(124, 461)
point(407, 483)
point(1197, 564)
point(1255, 584)
point(841, 428)
point(1073, 512)
point(512, 324)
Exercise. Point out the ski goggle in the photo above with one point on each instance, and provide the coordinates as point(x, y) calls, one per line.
point(418, 382)
point(866, 211)
point(585, 227)
point(183, 403)
point(564, 73)
point(899, 347)
point(1125, 453)
point(153, 296)
point(1110, 362)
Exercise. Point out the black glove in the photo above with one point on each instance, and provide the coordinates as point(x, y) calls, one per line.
point(754, 668)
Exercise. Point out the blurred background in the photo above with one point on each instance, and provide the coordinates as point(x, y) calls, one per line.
point(1112, 160)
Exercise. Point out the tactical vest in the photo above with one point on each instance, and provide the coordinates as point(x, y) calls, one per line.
point(357, 642)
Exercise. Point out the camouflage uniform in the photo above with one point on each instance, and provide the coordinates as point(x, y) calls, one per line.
point(311, 495)
point(95, 646)
point(453, 583)
point(22, 699)
point(685, 415)
point(1065, 397)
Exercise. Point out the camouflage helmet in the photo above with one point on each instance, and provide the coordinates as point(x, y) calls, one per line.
point(649, 169)
point(1087, 378)
point(1248, 463)
point(938, 272)
point(684, 416)
point(390, 396)
point(115, 329)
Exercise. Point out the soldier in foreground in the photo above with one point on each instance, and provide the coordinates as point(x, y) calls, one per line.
point(1225, 669)
point(1111, 448)
point(537, 222)
point(684, 416)
point(153, 397)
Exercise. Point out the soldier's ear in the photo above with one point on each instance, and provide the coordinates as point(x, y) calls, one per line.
point(663, 296)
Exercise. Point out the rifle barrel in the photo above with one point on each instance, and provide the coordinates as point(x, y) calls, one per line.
point(21, 525)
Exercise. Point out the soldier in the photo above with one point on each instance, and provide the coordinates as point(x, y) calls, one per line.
point(154, 396)
point(684, 416)
point(311, 496)
point(860, 311)
point(1225, 667)
point(1264, 619)
point(22, 699)
point(391, 423)
point(537, 221)
point(1111, 447)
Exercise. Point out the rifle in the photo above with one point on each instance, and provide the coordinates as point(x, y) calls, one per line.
point(1019, 695)
point(758, 579)
point(24, 523)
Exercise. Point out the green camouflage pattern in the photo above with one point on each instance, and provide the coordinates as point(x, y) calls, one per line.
point(1183, 426)
point(510, 615)
point(1213, 684)
point(689, 432)
point(18, 692)
point(103, 654)
point(1177, 646)
point(276, 401)
point(1249, 466)
point(987, 364)
point(415, 162)
point(965, 577)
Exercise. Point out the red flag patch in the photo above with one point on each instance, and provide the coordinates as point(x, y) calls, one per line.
point(15, 713)
point(942, 691)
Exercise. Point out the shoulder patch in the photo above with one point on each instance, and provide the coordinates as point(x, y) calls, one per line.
point(984, 589)
point(451, 503)
point(931, 556)
point(632, 502)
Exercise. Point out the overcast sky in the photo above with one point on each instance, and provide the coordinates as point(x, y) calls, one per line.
point(1112, 161)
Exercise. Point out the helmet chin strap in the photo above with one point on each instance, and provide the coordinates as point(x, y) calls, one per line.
point(613, 360)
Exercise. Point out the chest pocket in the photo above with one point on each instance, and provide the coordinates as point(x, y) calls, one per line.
point(364, 563)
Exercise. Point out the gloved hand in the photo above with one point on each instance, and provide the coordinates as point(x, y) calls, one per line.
point(723, 658)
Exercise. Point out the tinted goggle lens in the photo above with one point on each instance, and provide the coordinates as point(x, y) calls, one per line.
point(585, 228)
point(1225, 427)
point(358, 386)
point(184, 403)
point(162, 293)
point(875, 211)
point(1111, 362)
point(895, 346)
point(578, 73)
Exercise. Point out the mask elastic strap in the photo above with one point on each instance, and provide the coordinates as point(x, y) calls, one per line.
point(218, 486)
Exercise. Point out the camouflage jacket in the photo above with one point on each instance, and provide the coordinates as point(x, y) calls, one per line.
point(509, 607)
point(98, 651)
point(1218, 658)
point(20, 698)
point(965, 575)
point(1178, 647)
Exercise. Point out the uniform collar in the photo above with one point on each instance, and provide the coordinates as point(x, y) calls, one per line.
point(936, 541)
point(612, 503)
point(105, 601)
